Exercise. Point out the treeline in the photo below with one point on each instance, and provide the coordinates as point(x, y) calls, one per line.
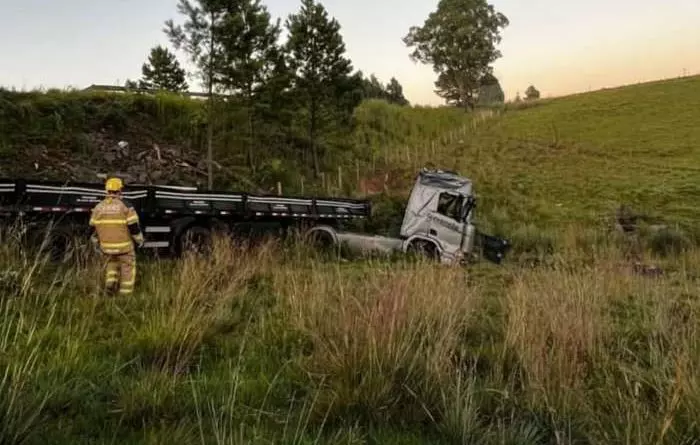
point(297, 96)
point(272, 105)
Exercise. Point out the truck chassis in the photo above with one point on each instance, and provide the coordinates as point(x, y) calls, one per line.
point(173, 219)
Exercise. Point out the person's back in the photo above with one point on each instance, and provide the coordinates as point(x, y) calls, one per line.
point(111, 218)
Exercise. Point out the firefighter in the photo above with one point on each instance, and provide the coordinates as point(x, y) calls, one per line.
point(115, 226)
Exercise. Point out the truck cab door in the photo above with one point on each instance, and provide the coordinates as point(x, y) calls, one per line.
point(446, 222)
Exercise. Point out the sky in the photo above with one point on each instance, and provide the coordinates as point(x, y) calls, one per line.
point(560, 46)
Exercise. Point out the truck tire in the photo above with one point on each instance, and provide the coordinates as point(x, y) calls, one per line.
point(59, 245)
point(195, 239)
point(321, 239)
point(323, 242)
point(424, 249)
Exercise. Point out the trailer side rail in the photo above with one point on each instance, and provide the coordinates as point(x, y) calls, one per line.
point(51, 196)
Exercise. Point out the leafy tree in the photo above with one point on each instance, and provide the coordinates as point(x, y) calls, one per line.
point(317, 59)
point(532, 93)
point(394, 92)
point(200, 37)
point(490, 91)
point(459, 39)
point(162, 71)
point(249, 54)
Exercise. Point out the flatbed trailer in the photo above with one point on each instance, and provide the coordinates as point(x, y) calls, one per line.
point(171, 217)
point(437, 223)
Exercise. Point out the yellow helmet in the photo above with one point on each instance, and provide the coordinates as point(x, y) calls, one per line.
point(114, 185)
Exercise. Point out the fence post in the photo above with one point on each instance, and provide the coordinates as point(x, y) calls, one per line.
point(340, 178)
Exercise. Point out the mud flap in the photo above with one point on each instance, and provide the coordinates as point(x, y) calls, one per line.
point(493, 248)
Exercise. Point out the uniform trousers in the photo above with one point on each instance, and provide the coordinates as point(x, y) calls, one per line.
point(120, 272)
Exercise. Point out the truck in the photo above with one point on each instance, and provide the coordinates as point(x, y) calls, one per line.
point(437, 222)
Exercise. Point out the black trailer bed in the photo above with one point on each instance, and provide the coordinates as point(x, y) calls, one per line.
point(51, 196)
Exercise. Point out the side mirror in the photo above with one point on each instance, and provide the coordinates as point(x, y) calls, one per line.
point(467, 208)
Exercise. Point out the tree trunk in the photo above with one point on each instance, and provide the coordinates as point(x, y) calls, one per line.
point(210, 123)
point(313, 116)
point(251, 133)
point(210, 137)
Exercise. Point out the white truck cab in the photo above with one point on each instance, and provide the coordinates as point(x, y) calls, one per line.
point(437, 223)
point(438, 216)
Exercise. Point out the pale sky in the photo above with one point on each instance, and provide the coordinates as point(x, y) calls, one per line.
point(560, 46)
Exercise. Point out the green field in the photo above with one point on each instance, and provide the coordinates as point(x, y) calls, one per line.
point(276, 344)
point(579, 157)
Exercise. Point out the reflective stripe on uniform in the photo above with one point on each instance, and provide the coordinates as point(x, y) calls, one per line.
point(130, 283)
point(114, 251)
point(109, 221)
point(116, 245)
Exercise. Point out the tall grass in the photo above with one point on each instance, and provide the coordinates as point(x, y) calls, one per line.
point(269, 344)
point(381, 339)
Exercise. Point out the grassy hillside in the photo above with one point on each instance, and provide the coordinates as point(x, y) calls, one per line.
point(276, 344)
point(577, 158)
point(543, 167)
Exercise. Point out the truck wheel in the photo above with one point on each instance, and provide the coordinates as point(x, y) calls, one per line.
point(197, 240)
point(323, 243)
point(424, 249)
point(321, 239)
point(59, 244)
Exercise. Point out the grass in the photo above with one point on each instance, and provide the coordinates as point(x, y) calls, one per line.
point(577, 158)
point(540, 167)
point(566, 343)
point(269, 344)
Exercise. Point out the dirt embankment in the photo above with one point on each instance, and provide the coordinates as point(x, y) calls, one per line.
point(83, 137)
point(136, 162)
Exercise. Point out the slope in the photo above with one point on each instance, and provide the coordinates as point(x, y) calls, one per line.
point(577, 158)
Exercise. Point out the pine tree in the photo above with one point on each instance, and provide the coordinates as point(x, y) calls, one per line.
point(374, 88)
point(317, 59)
point(200, 38)
point(274, 105)
point(249, 55)
point(162, 71)
point(394, 92)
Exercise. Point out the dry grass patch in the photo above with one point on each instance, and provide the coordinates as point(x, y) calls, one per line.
point(383, 339)
point(609, 350)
